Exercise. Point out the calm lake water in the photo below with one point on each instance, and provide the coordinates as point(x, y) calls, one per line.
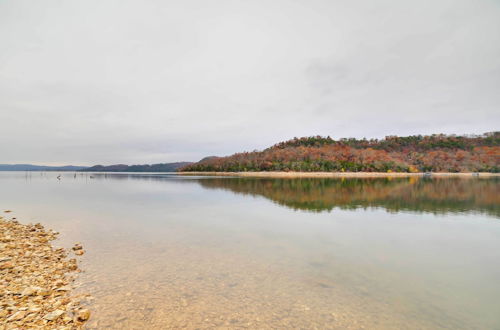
point(165, 251)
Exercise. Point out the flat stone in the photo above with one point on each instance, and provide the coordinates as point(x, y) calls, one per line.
point(54, 315)
point(16, 316)
point(29, 291)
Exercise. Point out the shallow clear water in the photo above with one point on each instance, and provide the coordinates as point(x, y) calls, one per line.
point(166, 252)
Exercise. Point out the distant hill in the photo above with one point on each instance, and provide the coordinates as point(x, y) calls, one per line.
point(29, 167)
point(417, 153)
point(208, 158)
point(165, 167)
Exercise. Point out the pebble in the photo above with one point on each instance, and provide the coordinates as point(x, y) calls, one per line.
point(16, 316)
point(53, 315)
point(83, 315)
point(29, 291)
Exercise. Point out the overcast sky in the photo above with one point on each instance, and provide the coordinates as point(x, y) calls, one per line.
point(103, 82)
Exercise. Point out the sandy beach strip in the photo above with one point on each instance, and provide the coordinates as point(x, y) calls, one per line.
point(36, 280)
point(339, 174)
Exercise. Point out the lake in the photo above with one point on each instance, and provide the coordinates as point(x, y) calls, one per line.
point(165, 251)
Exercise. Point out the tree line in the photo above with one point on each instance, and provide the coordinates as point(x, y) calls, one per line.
point(417, 153)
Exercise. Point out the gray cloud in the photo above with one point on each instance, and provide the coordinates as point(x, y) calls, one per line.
point(89, 82)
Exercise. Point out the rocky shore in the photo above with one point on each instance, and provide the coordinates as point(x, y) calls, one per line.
point(36, 280)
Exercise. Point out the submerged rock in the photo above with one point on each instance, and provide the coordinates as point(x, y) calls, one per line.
point(83, 315)
point(79, 252)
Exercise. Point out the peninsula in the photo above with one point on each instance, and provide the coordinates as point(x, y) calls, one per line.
point(416, 154)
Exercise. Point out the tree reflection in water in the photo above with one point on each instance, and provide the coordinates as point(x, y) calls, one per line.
point(434, 195)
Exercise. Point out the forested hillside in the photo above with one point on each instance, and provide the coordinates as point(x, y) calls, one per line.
point(417, 153)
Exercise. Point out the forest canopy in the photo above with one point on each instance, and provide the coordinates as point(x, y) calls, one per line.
point(416, 153)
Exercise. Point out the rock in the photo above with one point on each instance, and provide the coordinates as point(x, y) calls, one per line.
point(77, 247)
point(72, 264)
point(59, 283)
point(65, 301)
point(79, 252)
point(34, 309)
point(43, 292)
point(54, 315)
point(67, 319)
point(63, 288)
point(29, 291)
point(28, 317)
point(16, 316)
point(6, 265)
point(83, 315)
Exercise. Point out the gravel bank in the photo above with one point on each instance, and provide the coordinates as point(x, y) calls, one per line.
point(35, 280)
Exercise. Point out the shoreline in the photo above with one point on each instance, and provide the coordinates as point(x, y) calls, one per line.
point(341, 174)
point(36, 279)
